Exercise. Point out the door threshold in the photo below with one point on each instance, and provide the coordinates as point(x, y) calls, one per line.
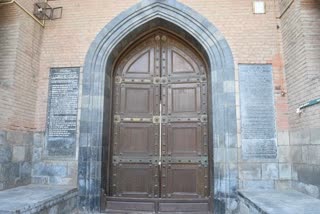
point(135, 212)
point(121, 205)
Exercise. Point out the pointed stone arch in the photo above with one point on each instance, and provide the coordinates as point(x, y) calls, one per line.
point(96, 93)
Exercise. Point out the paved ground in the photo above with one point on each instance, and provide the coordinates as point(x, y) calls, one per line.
point(284, 202)
point(31, 197)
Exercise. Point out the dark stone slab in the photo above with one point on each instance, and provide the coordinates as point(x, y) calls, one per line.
point(38, 199)
point(62, 112)
point(276, 202)
point(258, 131)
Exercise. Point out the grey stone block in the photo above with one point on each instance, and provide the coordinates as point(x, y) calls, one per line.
point(15, 137)
point(19, 153)
point(28, 138)
point(284, 154)
point(5, 153)
point(25, 170)
point(283, 138)
point(38, 139)
point(300, 137)
point(37, 154)
point(296, 154)
point(313, 154)
point(315, 136)
point(285, 171)
point(270, 171)
point(250, 171)
point(229, 86)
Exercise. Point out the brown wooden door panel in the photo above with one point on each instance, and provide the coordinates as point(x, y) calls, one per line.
point(135, 180)
point(137, 100)
point(184, 140)
point(180, 61)
point(134, 140)
point(183, 100)
point(184, 180)
point(140, 62)
point(141, 65)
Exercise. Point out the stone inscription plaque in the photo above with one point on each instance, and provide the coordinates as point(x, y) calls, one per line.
point(258, 131)
point(62, 111)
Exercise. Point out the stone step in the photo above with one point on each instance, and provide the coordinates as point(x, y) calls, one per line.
point(277, 202)
point(38, 198)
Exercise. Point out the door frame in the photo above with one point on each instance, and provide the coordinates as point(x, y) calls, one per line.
point(96, 93)
point(106, 168)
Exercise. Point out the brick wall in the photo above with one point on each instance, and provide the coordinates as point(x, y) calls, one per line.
point(64, 43)
point(253, 39)
point(8, 43)
point(20, 40)
point(301, 43)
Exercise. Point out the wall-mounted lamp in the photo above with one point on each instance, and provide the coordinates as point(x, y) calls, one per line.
point(259, 7)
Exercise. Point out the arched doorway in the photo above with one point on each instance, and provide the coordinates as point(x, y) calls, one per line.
point(96, 109)
point(159, 147)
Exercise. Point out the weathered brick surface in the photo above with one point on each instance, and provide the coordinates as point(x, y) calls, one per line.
point(301, 39)
point(20, 41)
point(301, 44)
point(250, 41)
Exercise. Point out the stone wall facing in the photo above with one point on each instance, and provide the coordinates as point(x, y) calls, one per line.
point(51, 171)
point(15, 158)
point(300, 24)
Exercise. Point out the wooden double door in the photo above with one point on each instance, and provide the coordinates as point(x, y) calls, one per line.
point(160, 129)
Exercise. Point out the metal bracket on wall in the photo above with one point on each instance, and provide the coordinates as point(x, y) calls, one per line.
point(308, 104)
point(43, 11)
